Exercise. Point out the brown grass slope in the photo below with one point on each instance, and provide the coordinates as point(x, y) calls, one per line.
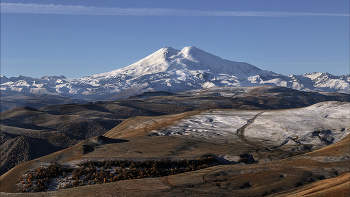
point(235, 180)
point(61, 126)
point(138, 125)
point(309, 173)
point(338, 186)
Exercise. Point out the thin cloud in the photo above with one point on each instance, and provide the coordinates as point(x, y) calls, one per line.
point(303, 63)
point(116, 11)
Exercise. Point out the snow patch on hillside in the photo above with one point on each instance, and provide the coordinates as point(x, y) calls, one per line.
point(216, 125)
point(320, 124)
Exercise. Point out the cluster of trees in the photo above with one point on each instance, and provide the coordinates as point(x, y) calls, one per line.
point(97, 172)
point(157, 164)
point(42, 177)
point(126, 169)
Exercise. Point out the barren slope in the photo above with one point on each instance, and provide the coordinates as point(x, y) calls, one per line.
point(61, 126)
point(303, 174)
point(252, 167)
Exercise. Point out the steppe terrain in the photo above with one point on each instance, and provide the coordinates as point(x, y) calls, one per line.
point(262, 141)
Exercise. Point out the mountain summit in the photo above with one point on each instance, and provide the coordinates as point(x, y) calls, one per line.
point(172, 70)
point(190, 58)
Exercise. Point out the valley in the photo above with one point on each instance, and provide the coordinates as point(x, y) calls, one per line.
point(264, 142)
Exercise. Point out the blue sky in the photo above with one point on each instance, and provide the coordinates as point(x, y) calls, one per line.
point(79, 38)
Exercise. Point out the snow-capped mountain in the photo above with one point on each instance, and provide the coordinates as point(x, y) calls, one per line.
point(172, 70)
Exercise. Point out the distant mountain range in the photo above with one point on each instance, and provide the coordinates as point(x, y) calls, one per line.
point(171, 70)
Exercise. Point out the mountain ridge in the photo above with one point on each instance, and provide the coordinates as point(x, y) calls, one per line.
point(172, 70)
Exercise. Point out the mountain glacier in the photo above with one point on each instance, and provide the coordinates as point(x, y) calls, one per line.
point(172, 70)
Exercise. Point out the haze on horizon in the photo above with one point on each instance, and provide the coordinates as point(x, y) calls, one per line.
point(81, 38)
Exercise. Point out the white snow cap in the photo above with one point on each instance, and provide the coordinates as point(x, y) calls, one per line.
point(173, 70)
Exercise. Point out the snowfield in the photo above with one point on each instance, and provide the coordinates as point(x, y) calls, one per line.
point(172, 70)
point(216, 125)
point(320, 124)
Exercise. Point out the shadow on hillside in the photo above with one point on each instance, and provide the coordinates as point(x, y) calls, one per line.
point(90, 144)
